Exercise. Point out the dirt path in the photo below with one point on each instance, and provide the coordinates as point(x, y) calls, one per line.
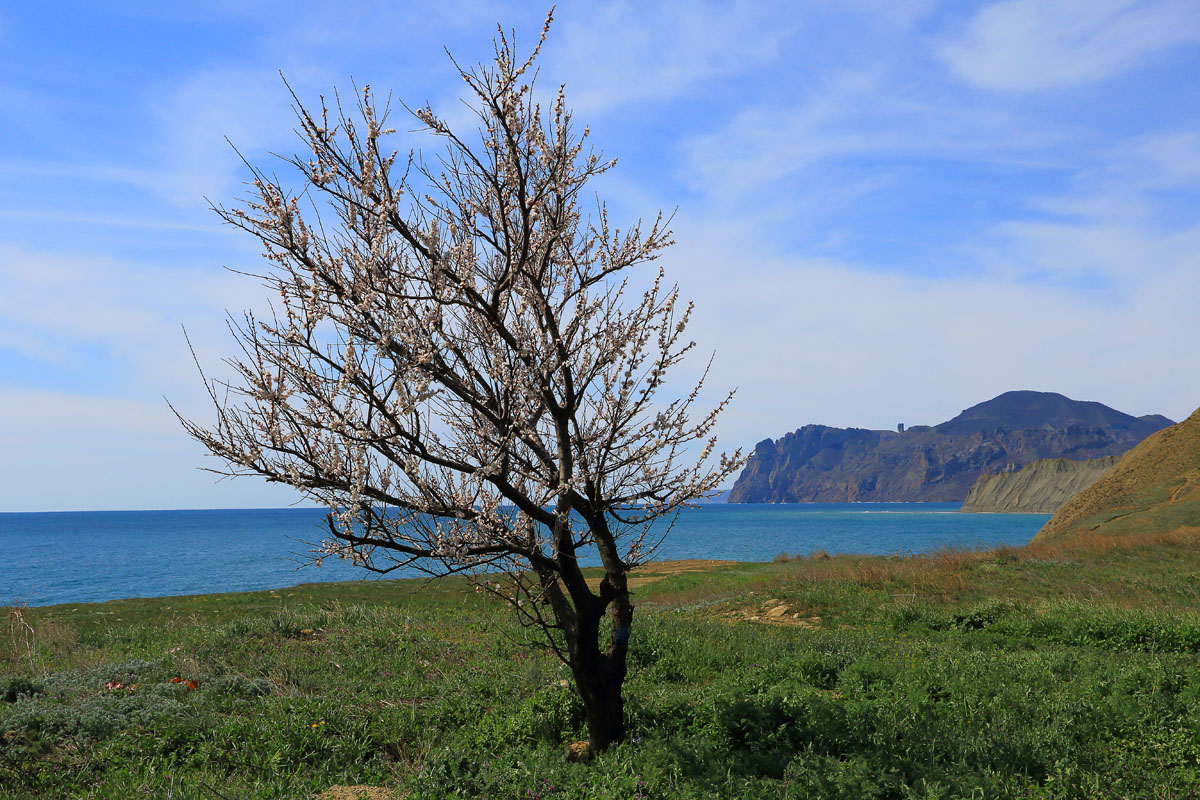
point(657, 570)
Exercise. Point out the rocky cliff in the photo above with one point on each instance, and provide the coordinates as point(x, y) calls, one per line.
point(1154, 488)
point(939, 463)
point(1039, 487)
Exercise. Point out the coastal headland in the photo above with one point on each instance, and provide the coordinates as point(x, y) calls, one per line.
point(938, 463)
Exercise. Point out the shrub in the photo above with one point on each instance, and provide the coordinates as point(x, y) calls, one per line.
point(18, 686)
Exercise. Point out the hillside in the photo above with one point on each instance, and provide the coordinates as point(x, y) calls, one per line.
point(940, 463)
point(1040, 487)
point(1155, 488)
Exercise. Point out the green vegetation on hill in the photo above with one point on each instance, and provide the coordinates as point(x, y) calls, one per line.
point(1153, 489)
point(1043, 672)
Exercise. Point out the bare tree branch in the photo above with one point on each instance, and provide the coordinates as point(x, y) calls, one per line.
point(456, 368)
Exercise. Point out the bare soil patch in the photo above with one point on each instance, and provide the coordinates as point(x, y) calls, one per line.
point(665, 569)
point(357, 793)
point(774, 611)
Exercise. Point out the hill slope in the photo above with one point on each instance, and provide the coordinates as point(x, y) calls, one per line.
point(821, 464)
point(1155, 488)
point(1040, 487)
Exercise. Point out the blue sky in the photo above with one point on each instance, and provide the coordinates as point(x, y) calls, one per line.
point(886, 211)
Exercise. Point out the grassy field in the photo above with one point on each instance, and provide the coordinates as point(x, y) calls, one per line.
point(1044, 672)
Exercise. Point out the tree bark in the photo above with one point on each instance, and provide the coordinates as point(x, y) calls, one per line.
point(482, 357)
point(600, 689)
point(600, 674)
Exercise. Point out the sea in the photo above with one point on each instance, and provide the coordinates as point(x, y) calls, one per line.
point(92, 556)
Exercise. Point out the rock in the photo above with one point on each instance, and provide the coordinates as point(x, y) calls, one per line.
point(941, 463)
point(1040, 487)
point(579, 751)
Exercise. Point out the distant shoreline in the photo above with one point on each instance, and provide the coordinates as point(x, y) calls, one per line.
point(70, 557)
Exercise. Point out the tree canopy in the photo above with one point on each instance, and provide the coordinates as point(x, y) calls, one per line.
point(459, 367)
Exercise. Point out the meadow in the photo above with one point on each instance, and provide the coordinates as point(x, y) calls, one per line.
point(1037, 672)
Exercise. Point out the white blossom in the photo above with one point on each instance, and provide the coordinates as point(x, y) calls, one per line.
point(463, 374)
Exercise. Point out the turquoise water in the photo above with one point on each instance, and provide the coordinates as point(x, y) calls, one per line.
point(76, 557)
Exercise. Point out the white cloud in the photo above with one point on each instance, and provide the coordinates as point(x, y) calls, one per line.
point(106, 439)
point(187, 132)
point(1126, 210)
point(110, 220)
point(83, 451)
point(613, 54)
point(1087, 289)
point(891, 14)
point(1117, 252)
point(200, 119)
point(833, 343)
point(68, 311)
point(1022, 45)
point(774, 147)
point(1161, 161)
point(1092, 295)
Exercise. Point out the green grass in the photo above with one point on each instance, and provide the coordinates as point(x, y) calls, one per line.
point(1041, 673)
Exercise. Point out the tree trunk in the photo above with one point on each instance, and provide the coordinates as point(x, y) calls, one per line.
point(604, 706)
point(600, 674)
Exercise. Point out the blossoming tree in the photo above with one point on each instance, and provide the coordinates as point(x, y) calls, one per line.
point(458, 367)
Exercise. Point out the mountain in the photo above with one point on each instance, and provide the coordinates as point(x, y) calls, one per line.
point(1039, 487)
point(1154, 488)
point(716, 498)
point(940, 463)
point(1020, 410)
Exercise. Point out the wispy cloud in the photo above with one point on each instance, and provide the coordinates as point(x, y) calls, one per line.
point(1161, 160)
point(200, 120)
point(850, 114)
point(78, 451)
point(883, 214)
point(65, 308)
point(1023, 45)
point(811, 340)
point(618, 53)
point(106, 336)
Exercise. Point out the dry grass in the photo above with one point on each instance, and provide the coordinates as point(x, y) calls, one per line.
point(1101, 544)
point(358, 793)
point(665, 569)
point(943, 567)
point(878, 571)
point(1088, 570)
point(22, 639)
point(1155, 486)
point(30, 638)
